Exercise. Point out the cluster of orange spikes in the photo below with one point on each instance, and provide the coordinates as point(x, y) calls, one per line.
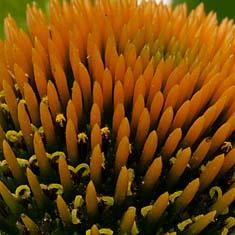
point(117, 118)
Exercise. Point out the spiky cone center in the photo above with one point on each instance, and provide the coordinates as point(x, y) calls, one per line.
point(117, 118)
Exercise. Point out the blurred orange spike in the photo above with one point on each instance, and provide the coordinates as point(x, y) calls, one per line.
point(40, 152)
point(223, 202)
point(121, 186)
point(178, 167)
point(13, 163)
point(74, 54)
point(187, 195)
point(96, 137)
point(145, 55)
point(71, 142)
point(181, 115)
point(152, 175)
point(221, 134)
point(230, 111)
point(108, 30)
point(120, 68)
point(184, 88)
point(229, 162)
point(20, 77)
point(122, 154)
point(7, 76)
point(85, 84)
point(40, 56)
point(148, 75)
point(53, 100)
point(91, 200)
point(142, 128)
point(149, 149)
point(210, 172)
point(71, 114)
point(21, 60)
point(127, 221)
point(91, 50)
point(98, 66)
point(123, 40)
point(95, 115)
point(77, 100)
point(158, 208)
point(60, 80)
point(166, 67)
point(118, 94)
point(194, 132)
point(63, 210)
point(96, 162)
point(136, 111)
point(47, 125)
point(123, 130)
point(65, 177)
point(107, 87)
point(94, 230)
point(165, 123)
point(172, 97)
point(225, 85)
point(155, 108)
point(195, 103)
point(56, 48)
point(10, 28)
point(200, 153)
point(138, 68)
point(22, 42)
point(25, 126)
point(201, 223)
point(118, 115)
point(9, 56)
point(37, 25)
point(139, 39)
point(139, 89)
point(130, 55)
point(32, 104)
point(98, 96)
point(209, 116)
point(175, 77)
point(128, 86)
point(2, 136)
point(11, 102)
point(40, 80)
point(171, 143)
point(111, 54)
point(10, 200)
point(38, 194)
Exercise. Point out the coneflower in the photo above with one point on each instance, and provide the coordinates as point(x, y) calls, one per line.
point(117, 118)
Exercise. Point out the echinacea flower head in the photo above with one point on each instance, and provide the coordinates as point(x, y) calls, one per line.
point(117, 117)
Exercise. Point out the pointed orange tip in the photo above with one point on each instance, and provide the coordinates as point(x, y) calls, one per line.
point(94, 230)
point(91, 200)
point(63, 209)
point(96, 162)
point(158, 208)
point(121, 186)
